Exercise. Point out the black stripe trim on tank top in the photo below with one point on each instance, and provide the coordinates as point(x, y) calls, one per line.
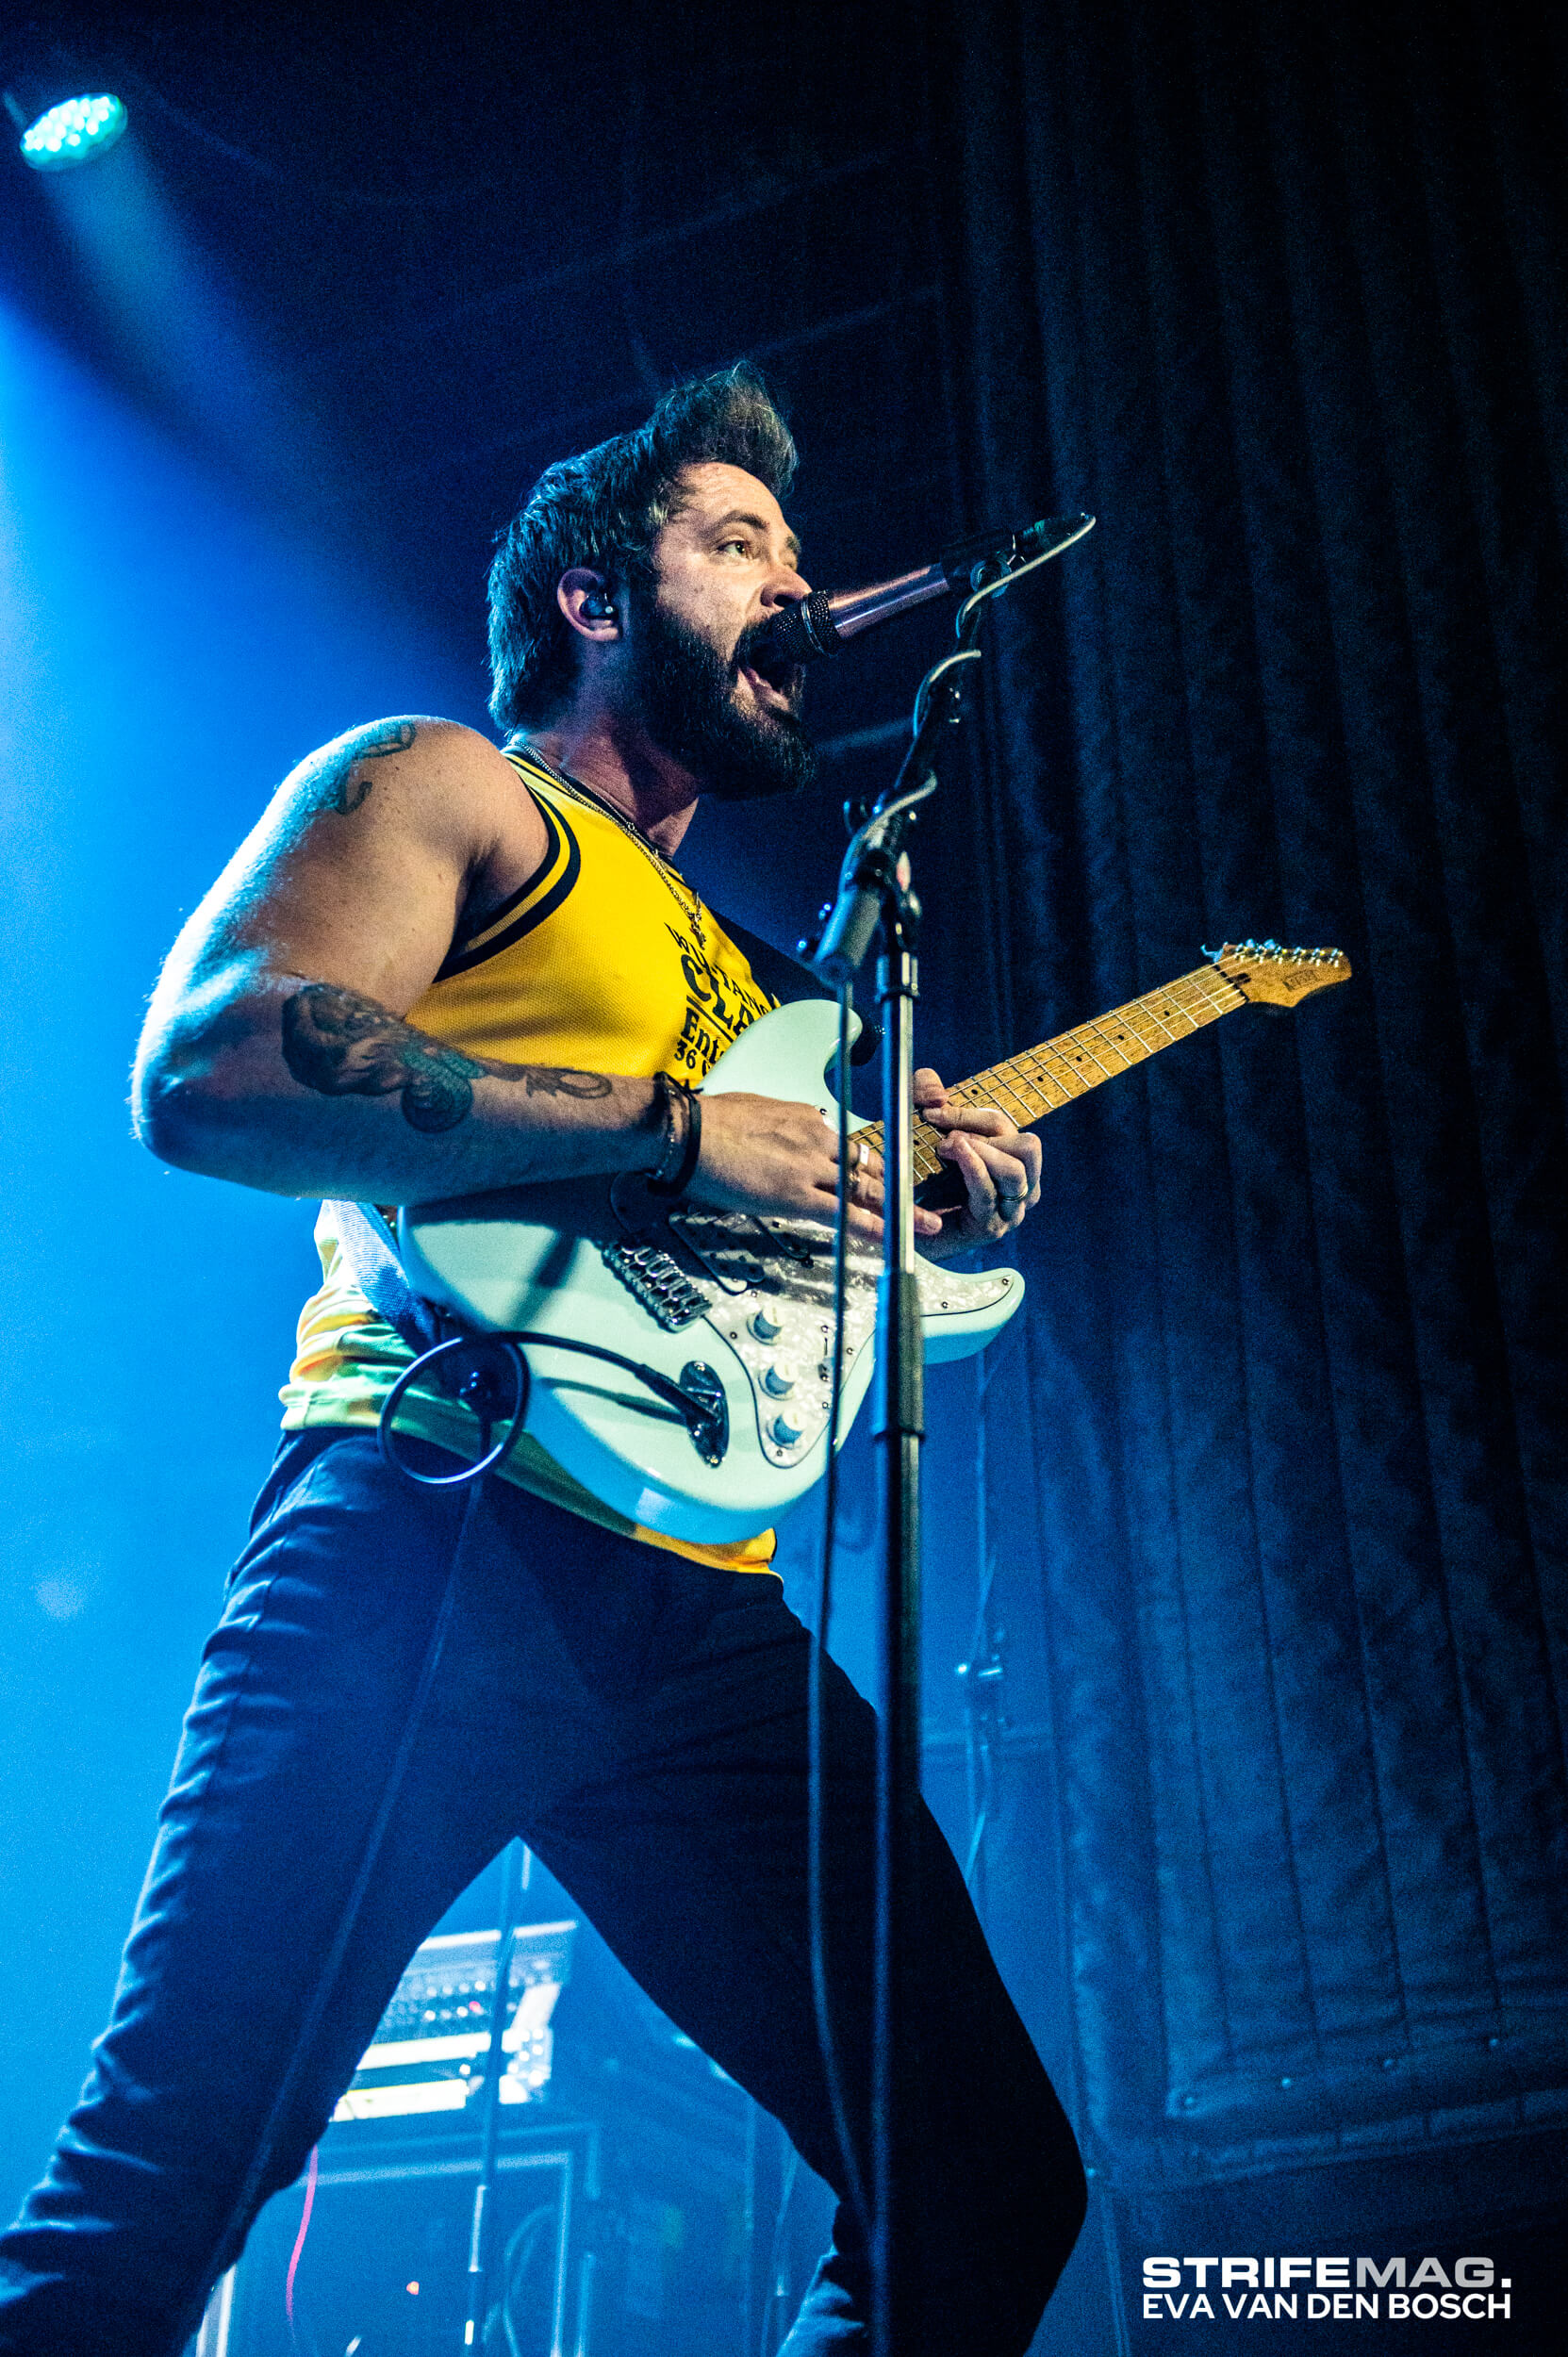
point(462, 961)
point(468, 932)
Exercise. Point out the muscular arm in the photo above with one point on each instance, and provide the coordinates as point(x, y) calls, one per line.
point(276, 1052)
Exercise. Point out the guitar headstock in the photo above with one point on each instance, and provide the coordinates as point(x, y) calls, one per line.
point(1266, 971)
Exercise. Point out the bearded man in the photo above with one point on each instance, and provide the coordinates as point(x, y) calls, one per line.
point(436, 967)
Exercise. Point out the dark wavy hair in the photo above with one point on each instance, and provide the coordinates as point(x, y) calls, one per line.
point(606, 509)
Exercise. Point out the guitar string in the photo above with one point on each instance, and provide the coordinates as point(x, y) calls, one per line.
point(1051, 1066)
point(1208, 993)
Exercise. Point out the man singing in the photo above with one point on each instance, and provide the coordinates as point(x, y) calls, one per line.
point(436, 967)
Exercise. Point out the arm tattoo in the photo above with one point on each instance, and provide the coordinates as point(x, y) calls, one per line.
point(549, 1079)
point(343, 784)
point(342, 1044)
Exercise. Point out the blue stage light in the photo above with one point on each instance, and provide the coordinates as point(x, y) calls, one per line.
point(73, 132)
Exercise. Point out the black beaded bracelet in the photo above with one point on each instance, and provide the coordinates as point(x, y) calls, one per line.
point(683, 1115)
point(692, 1154)
point(672, 1135)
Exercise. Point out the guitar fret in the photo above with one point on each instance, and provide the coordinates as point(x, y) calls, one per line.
point(1082, 1048)
point(971, 1093)
point(1151, 1014)
point(1069, 1078)
point(1217, 1003)
point(1037, 1080)
point(1043, 1082)
point(1020, 1087)
point(1126, 1044)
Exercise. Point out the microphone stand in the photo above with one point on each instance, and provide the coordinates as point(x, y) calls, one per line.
point(876, 893)
point(515, 1876)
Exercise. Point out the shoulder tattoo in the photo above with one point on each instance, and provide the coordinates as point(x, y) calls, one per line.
point(342, 783)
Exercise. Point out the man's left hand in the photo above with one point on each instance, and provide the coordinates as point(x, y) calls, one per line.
point(999, 1164)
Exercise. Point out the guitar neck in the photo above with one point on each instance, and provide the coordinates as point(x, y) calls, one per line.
point(1031, 1085)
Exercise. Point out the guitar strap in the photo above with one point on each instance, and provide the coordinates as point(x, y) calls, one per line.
point(782, 976)
point(787, 981)
point(368, 1248)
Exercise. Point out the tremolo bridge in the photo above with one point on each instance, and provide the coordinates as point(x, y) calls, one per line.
point(656, 1279)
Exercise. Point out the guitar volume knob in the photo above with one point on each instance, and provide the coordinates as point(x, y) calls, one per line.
point(762, 1327)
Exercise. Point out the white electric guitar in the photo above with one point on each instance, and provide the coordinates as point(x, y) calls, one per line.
point(738, 1311)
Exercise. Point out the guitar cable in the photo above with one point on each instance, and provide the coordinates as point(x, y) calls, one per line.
point(476, 1393)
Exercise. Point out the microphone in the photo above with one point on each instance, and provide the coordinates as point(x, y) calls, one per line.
point(820, 624)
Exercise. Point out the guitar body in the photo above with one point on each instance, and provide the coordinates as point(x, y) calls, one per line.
point(738, 1311)
point(749, 1300)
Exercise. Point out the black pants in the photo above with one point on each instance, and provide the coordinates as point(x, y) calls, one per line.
point(399, 1684)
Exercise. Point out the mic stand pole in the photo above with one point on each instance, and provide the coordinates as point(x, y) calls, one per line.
point(898, 1429)
point(515, 1867)
point(876, 891)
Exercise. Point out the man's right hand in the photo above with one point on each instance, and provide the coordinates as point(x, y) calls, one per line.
point(776, 1159)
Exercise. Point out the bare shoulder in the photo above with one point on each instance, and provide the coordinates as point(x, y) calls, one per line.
point(411, 758)
point(414, 785)
point(366, 858)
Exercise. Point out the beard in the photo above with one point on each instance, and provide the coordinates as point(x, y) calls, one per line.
point(687, 695)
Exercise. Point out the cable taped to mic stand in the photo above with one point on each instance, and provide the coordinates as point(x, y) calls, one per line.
point(876, 893)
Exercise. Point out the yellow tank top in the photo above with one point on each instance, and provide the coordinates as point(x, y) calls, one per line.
point(604, 960)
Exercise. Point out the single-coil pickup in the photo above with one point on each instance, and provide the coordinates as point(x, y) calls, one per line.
point(659, 1282)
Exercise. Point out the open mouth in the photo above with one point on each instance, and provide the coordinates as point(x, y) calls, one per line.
point(773, 681)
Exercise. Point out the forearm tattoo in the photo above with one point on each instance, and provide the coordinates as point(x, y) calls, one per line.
point(342, 783)
point(342, 1044)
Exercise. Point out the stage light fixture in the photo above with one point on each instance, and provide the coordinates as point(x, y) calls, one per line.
point(73, 133)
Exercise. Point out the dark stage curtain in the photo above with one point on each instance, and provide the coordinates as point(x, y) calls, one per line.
point(1278, 293)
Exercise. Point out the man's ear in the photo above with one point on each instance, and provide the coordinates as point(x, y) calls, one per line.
point(584, 597)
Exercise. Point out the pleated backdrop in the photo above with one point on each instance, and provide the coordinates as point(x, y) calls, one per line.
point(1279, 295)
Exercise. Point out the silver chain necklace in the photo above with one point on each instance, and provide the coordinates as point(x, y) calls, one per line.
point(686, 898)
